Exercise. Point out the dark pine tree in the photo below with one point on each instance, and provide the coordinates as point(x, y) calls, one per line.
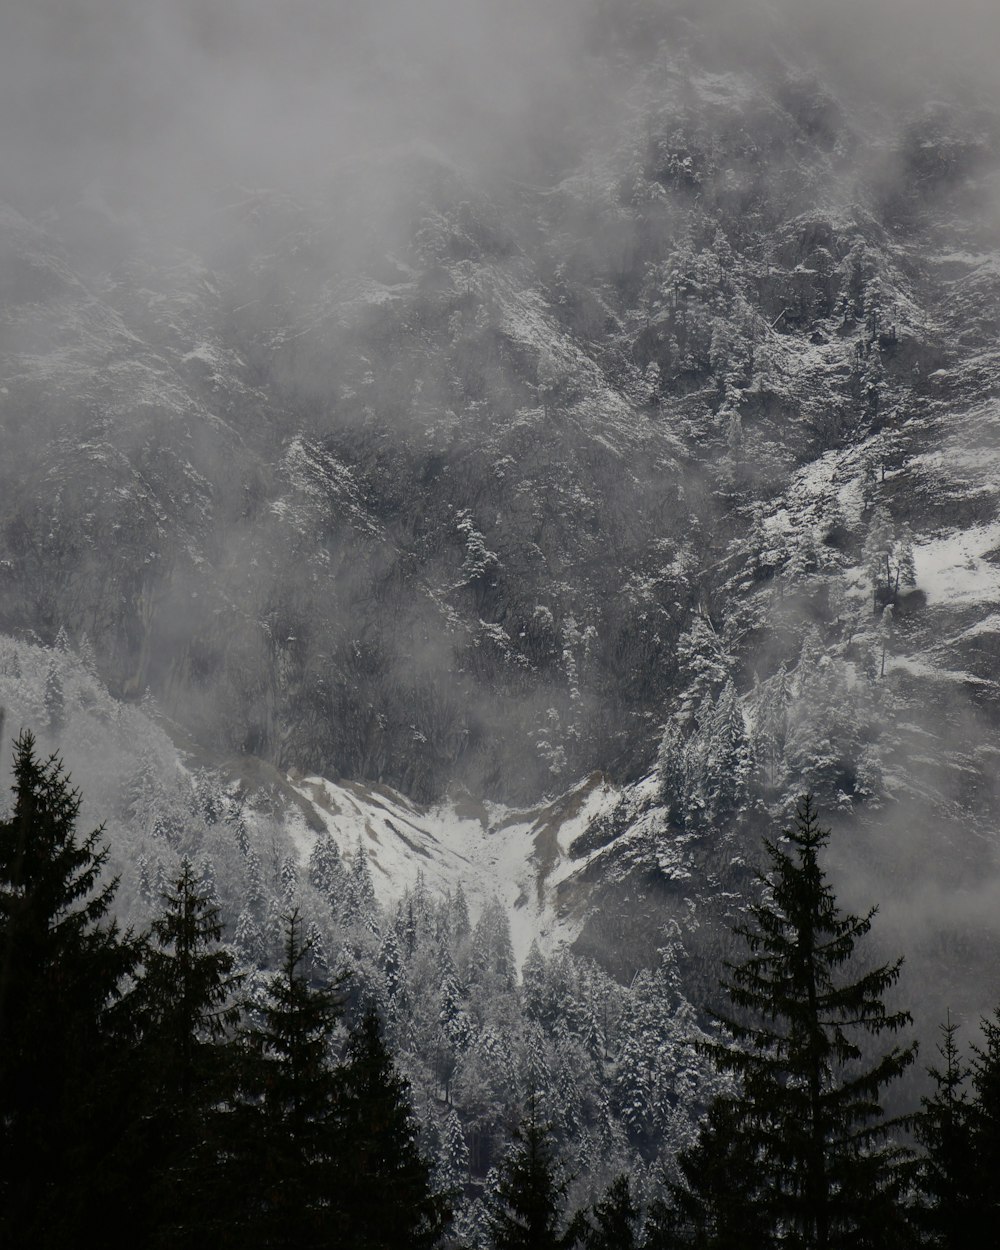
point(947, 1213)
point(387, 1200)
point(984, 1126)
point(527, 1210)
point(807, 1115)
point(719, 1202)
point(613, 1222)
point(283, 1133)
point(67, 1028)
point(188, 991)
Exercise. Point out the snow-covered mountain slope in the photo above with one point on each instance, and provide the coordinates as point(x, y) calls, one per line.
point(160, 800)
point(523, 858)
point(448, 480)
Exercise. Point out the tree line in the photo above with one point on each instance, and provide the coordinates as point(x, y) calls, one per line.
point(147, 1092)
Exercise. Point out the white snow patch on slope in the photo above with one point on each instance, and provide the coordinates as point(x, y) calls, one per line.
point(918, 667)
point(517, 856)
point(953, 568)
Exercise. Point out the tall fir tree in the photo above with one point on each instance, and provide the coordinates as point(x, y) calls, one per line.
point(807, 1115)
point(67, 1025)
point(281, 1157)
point(613, 1222)
point(189, 991)
point(984, 1124)
point(526, 1211)
point(718, 1202)
point(948, 1171)
point(387, 1199)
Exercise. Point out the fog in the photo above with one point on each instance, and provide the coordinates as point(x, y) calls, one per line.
point(163, 102)
point(168, 100)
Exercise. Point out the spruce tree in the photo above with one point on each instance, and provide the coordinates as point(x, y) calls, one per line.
point(452, 1172)
point(55, 700)
point(189, 992)
point(984, 1125)
point(67, 1027)
point(718, 1202)
point(283, 1134)
point(807, 1114)
point(948, 1169)
point(613, 1221)
point(386, 1196)
point(527, 1210)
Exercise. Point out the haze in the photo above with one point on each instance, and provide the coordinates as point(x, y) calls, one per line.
point(159, 102)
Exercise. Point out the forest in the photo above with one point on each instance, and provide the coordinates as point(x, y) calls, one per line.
point(155, 1092)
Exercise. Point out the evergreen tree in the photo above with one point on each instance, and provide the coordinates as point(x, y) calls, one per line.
point(491, 958)
point(613, 1221)
point(66, 1024)
point(461, 926)
point(55, 701)
point(888, 558)
point(948, 1169)
point(188, 991)
point(453, 1164)
point(326, 872)
point(88, 658)
point(984, 1125)
point(907, 561)
point(241, 834)
point(289, 880)
point(393, 972)
point(207, 887)
point(729, 762)
point(807, 1113)
point(248, 941)
point(317, 961)
point(718, 1203)
point(386, 1196)
point(363, 903)
point(533, 984)
point(284, 1134)
point(526, 1210)
point(255, 886)
point(144, 887)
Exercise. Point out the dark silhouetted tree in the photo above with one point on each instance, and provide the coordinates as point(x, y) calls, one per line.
point(281, 1161)
point(984, 1125)
point(188, 990)
point(526, 1212)
point(719, 1202)
point(387, 1200)
point(66, 1025)
point(613, 1221)
point(948, 1169)
point(807, 1117)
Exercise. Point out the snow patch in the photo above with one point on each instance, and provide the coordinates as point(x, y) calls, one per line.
point(953, 569)
point(516, 856)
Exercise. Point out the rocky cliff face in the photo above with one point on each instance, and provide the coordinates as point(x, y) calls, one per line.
point(442, 477)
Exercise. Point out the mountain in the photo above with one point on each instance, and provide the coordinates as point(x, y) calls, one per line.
point(542, 493)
